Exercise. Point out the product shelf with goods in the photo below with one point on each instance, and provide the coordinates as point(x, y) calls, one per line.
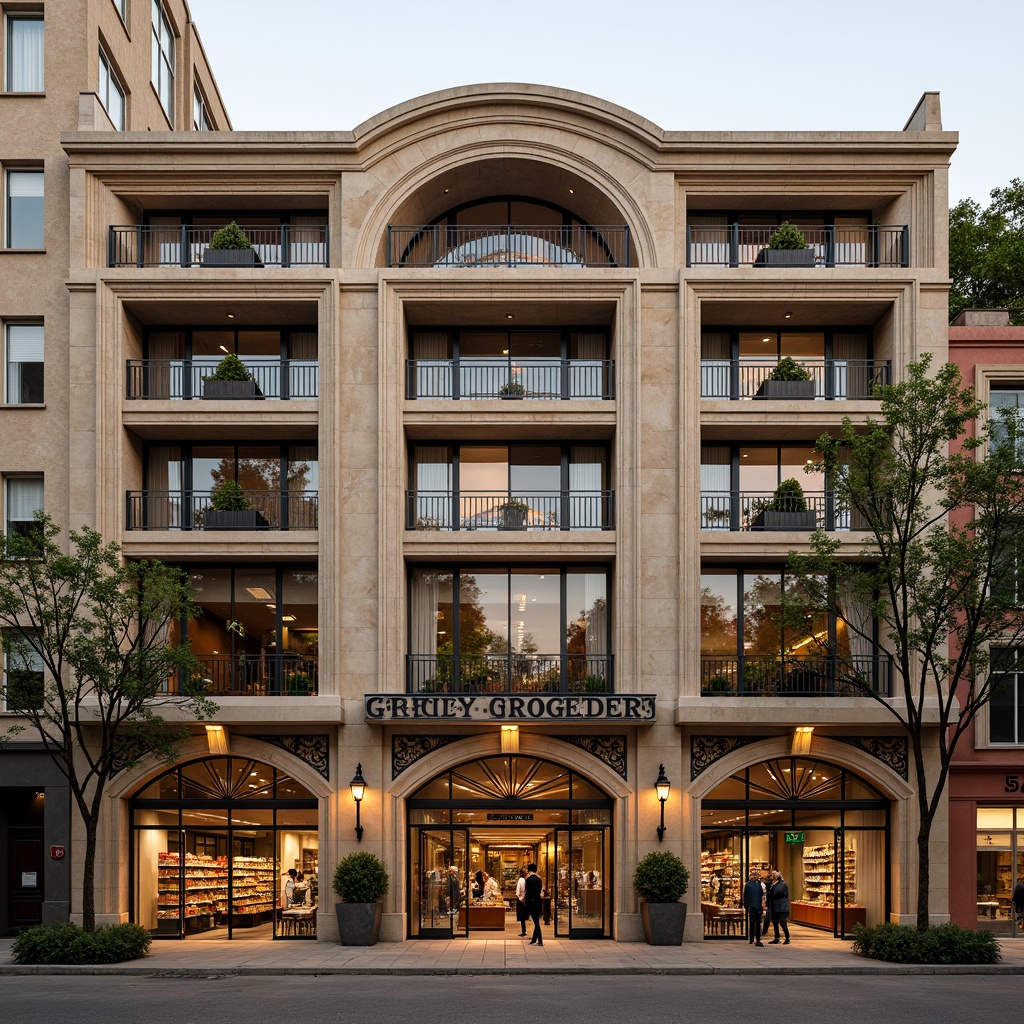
point(252, 891)
point(720, 878)
point(197, 891)
point(822, 889)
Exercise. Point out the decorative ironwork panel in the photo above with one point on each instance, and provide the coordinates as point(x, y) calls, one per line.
point(314, 750)
point(407, 750)
point(890, 750)
point(706, 750)
point(610, 749)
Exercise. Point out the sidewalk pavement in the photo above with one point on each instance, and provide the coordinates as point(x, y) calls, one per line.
point(811, 952)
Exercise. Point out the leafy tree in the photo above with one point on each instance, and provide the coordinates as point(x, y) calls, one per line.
point(100, 628)
point(986, 253)
point(945, 528)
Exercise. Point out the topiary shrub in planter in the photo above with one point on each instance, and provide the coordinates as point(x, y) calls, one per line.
point(787, 247)
point(788, 379)
point(230, 509)
point(661, 880)
point(512, 515)
point(360, 881)
point(231, 379)
point(787, 510)
point(230, 247)
point(66, 943)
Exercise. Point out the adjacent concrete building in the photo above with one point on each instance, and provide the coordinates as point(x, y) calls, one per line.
point(513, 549)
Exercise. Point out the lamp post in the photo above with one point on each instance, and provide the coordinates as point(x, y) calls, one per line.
point(358, 786)
point(661, 787)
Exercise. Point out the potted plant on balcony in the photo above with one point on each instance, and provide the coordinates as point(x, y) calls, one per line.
point(231, 379)
point(298, 684)
point(788, 380)
point(787, 510)
point(512, 389)
point(230, 509)
point(512, 515)
point(787, 247)
point(661, 881)
point(230, 247)
point(360, 882)
point(717, 686)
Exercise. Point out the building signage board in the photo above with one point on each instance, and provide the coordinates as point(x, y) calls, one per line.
point(509, 817)
point(509, 707)
point(794, 837)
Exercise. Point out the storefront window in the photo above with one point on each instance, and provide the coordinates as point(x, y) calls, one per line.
point(1001, 870)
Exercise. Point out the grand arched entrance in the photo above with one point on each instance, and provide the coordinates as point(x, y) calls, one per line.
point(825, 828)
point(212, 844)
point(495, 815)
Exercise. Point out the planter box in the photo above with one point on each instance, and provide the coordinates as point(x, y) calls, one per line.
point(231, 389)
point(231, 258)
point(243, 519)
point(781, 390)
point(663, 923)
point(785, 521)
point(359, 923)
point(785, 258)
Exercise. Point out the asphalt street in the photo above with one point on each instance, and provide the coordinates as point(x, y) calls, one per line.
point(642, 999)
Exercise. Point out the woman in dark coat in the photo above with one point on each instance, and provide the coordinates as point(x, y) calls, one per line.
point(522, 914)
point(778, 900)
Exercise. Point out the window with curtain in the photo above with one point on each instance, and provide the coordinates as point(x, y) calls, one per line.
point(715, 358)
point(23, 498)
point(163, 59)
point(1006, 709)
point(111, 94)
point(24, 51)
point(24, 209)
point(200, 116)
point(715, 487)
point(1006, 413)
point(23, 345)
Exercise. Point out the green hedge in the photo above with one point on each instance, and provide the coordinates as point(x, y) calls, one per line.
point(943, 944)
point(67, 943)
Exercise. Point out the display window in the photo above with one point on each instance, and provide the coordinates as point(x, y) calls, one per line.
point(1001, 870)
point(225, 847)
point(474, 828)
point(823, 828)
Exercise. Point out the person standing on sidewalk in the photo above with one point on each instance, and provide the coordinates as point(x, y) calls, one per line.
point(521, 913)
point(753, 895)
point(778, 900)
point(534, 906)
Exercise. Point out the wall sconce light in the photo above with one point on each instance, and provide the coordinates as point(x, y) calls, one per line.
point(802, 739)
point(358, 787)
point(510, 739)
point(661, 787)
point(217, 739)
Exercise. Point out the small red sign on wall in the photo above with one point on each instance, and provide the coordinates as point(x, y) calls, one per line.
point(57, 852)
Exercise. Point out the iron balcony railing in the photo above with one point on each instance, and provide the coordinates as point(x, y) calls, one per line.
point(508, 245)
point(510, 379)
point(191, 510)
point(183, 379)
point(752, 510)
point(249, 675)
point(494, 510)
point(283, 245)
point(797, 675)
point(509, 673)
point(850, 245)
point(832, 380)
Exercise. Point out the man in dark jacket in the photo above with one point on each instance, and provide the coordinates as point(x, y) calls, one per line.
point(752, 896)
point(534, 886)
point(778, 900)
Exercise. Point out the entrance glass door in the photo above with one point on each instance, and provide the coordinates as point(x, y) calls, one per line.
point(438, 891)
point(580, 894)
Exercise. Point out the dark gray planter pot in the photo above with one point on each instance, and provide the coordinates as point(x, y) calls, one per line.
point(785, 258)
point(231, 258)
point(663, 923)
point(242, 519)
point(359, 923)
point(786, 390)
point(785, 521)
point(218, 389)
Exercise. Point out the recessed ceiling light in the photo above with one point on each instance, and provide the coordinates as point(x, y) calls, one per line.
point(510, 316)
point(231, 316)
point(787, 316)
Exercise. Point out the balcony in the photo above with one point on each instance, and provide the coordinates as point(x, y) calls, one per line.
point(492, 510)
point(509, 381)
point(251, 675)
point(190, 510)
point(509, 673)
point(796, 675)
point(280, 245)
point(182, 379)
point(833, 380)
point(856, 245)
point(503, 245)
point(745, 510)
